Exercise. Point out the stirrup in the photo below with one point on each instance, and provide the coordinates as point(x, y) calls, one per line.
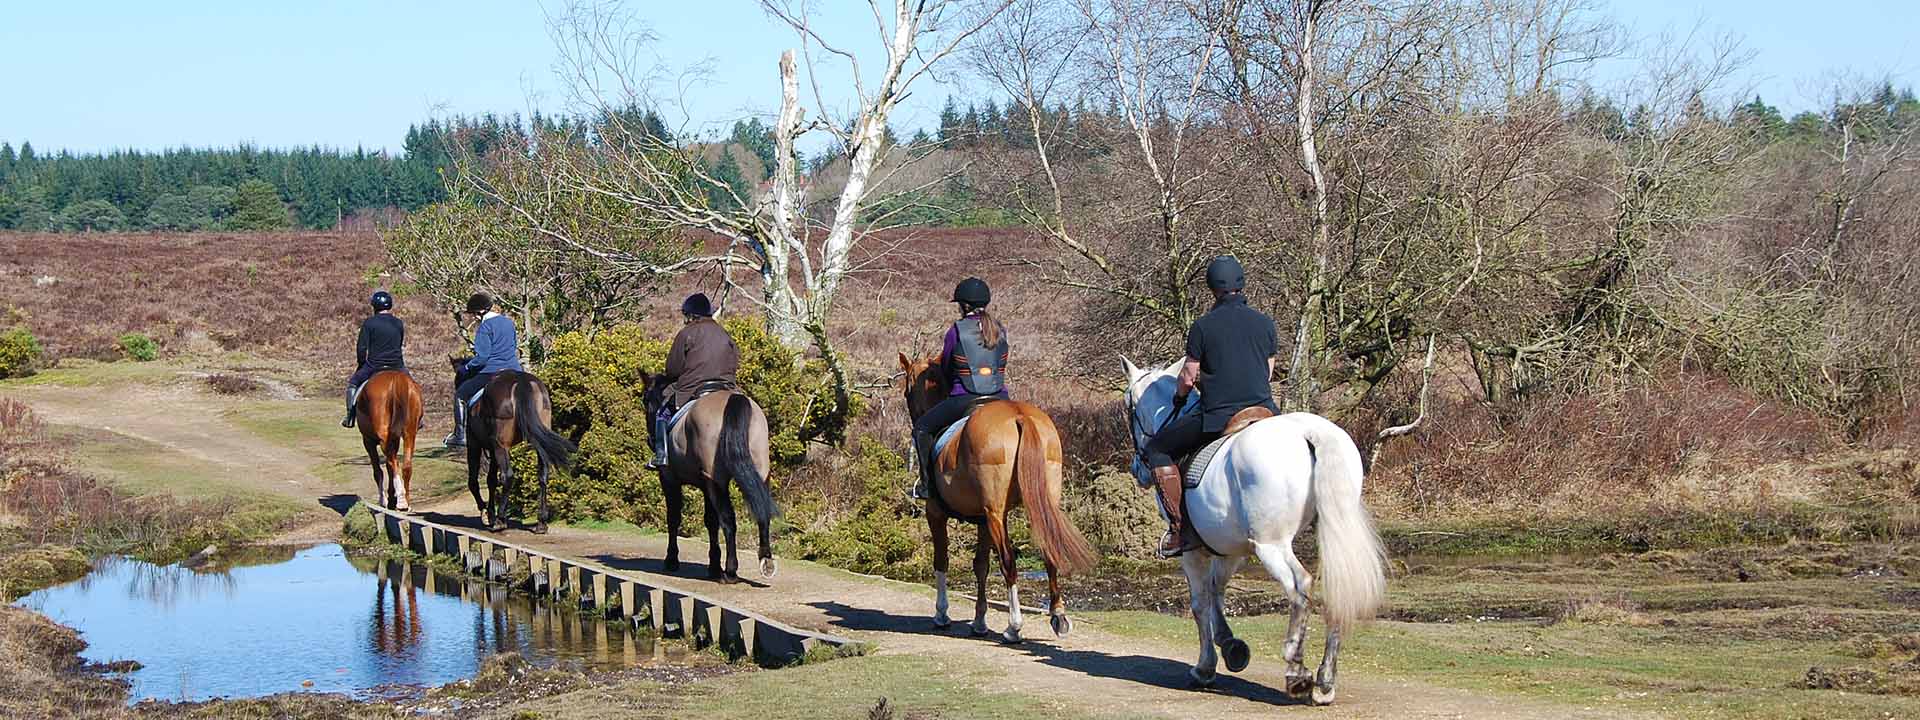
point(1185, 546)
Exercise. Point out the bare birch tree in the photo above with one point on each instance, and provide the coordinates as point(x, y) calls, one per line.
point(801, 263)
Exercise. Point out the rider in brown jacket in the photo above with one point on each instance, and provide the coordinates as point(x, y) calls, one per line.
point(703, 357)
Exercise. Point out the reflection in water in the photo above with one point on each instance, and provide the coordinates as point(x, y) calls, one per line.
point(250, 630)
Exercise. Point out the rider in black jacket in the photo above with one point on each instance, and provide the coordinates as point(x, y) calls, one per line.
point(379, 347)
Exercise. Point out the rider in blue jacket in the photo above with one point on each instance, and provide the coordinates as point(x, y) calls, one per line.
point(496, 347)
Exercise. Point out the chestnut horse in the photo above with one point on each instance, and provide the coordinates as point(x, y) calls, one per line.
point(1007, 456)
point(514, 408)
point(723, 441)
point(388, 412)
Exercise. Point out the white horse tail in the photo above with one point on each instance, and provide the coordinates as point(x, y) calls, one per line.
point(1353, 577)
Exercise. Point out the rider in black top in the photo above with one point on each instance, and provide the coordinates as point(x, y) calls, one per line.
point(379, 347)
point(1230, 356)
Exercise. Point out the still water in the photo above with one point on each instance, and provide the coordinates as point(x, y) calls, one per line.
point(261, 625)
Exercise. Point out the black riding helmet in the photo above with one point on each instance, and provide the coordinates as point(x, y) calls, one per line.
point(697, 305)
point(1224, 274)
point(381, 301)
point(480, 303)
point(972, 292)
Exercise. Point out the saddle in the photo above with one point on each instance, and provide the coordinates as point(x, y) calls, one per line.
point(1194, 466)
point(953, 431)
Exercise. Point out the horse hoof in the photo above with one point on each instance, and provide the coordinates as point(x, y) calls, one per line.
point(540, 529)
point(728, 579)
point(942, 622)
point(1195, 682)
point(1236, 653)
point(1298, 686)
point(1010, 637)
point(768, 568)
point(1062, 626)
point(671, 565)
point(979, 629)
point(1322, 694)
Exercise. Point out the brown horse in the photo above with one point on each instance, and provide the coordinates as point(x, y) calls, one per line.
point(388, 414)
point(514, 408)
point(1007, 456)
point(722, 441)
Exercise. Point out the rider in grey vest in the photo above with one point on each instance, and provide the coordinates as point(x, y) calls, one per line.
point(975, 356)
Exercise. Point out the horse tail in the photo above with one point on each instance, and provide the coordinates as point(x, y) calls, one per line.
point(737, 458)
point(553, 449)
point(1352, 563)
point(1060, 542)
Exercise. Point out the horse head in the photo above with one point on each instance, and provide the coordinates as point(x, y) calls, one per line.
point(922, 382)
point(652, 391)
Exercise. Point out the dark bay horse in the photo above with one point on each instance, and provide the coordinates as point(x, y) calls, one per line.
point(721, 442)
point(1007, 456)
point(514, 408)
point(388, 414)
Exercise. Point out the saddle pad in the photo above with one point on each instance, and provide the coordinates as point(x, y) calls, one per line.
point(678, 415)
point(1197, 467)
point(947, 436)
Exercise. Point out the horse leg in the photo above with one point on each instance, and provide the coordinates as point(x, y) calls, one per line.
point(676, 502)
point(540, 528)
point(1196, 565)
point(1057, 605)
point(1232, 650)
point(713, 534)
point(499, 485)
point(1286, 568)
point(373, 459)
point(937, 529)
point(1323, 690)
point(393, 471)
point(980, 566)
point(1009, 571)
point(729, 528)
point(473, 478)
point(406, 470)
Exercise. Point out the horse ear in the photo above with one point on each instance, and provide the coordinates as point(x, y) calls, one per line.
point(1133, 371)
point(905, 364)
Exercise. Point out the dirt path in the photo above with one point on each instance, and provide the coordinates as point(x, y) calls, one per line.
point(1097, 671)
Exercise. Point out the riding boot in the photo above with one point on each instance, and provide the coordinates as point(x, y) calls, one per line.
point(1179, 532)
point(458, 438)
point(351, 410)
point(923, 459)
point(659, 442)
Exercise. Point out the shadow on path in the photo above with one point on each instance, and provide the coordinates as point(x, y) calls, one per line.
point(1143, 669)
point(339, 503)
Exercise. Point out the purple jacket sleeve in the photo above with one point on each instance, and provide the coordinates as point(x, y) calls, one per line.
point(952, 344)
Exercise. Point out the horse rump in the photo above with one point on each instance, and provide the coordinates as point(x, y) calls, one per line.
point(1062, 544)
point(552, 448)
point(736, 458)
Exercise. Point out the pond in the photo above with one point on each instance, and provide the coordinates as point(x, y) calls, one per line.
point(316, 619)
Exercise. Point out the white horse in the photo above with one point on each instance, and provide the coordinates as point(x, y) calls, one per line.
point(1261, 490)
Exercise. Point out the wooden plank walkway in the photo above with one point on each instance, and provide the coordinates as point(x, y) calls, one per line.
point(643, 601)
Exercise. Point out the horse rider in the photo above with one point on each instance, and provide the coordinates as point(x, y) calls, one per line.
point(974, 355)
point(496, 347)
point(1230, 357)
point(702, 358)
point(382, 336)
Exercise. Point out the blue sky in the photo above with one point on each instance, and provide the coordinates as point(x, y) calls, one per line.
point(92, 75)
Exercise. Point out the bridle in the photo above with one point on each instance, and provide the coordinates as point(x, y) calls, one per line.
point(1136, 430)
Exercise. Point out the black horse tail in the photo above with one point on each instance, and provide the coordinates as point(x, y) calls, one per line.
point(549, 445)
point(737, 459)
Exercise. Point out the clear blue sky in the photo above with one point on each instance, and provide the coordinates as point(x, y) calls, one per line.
point(92, 75)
